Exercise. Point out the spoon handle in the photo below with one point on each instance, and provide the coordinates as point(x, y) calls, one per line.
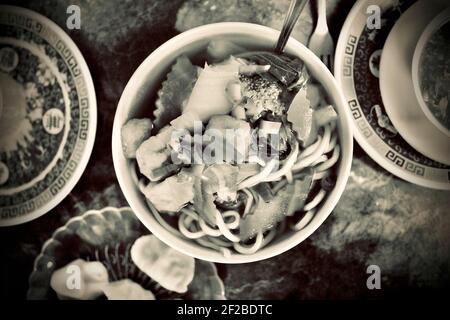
point(295, 8)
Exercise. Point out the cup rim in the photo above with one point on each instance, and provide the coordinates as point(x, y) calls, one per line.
point(434, 25)
point(173, 47)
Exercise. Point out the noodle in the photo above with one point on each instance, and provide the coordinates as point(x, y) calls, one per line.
point(184, 219)
point(244, 249)
point(314, 202)
point(286, 167)
point(134, 176)
point(225, 251)
point(281, 184)
point(310, 149)
point(309, 159)
point(330, 162)
point(269, 237)
point(236, 221)
point(304, 221)
point(321, 159)
point(320, 175)
point(289, 177)
point(248, 204)
point(208, 230)
point(332, 144)
point(223, 227)
point(259, 177)
point(220, 241)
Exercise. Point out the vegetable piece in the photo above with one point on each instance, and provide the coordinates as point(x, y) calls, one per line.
point(247, 170)
point(232, 64)
point(164, 171)
point(203, 201)
point(221, 179)
point(315, 94)
point(194, 170)
point(222, 122)
point(302, 186)
point(220, 49)
point(208, 97)
point(80, 280)
point(270, 127)
point(185, 121)
point(324, 115)
point(264, 190)
point(285, 69)
point(172, 194)
point(133, 133)
point(302, 80)
point(300, 115)
point(170, 268)
point(261, 95)
point(175, 91)
point(266, 215)
point(328, 182)
point(238, 112)
point(252, 69)
point(152, 154)
point(238, 138)
point(180, 144)
point(233, 91)
point(236, 205)
point(283, 141)
point(126, 290)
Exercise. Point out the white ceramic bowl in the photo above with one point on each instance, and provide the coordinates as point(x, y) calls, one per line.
point(435, 24)
point(145, 82)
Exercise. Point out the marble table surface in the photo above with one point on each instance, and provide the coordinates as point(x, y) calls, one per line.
point(381, 220)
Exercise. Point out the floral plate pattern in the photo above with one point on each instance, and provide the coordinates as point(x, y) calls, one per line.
point(48, 115)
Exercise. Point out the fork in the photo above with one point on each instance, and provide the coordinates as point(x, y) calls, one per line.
point(321, 43)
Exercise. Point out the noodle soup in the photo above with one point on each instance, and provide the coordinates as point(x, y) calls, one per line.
point(139, 101)
point(242, 147)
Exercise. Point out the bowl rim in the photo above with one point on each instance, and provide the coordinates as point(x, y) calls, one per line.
point(182, 41)
point(434, 25)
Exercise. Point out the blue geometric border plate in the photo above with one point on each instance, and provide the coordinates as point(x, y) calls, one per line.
point(48, 115)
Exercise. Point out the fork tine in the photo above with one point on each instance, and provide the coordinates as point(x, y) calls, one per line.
point(327, 60)
point(324, 59)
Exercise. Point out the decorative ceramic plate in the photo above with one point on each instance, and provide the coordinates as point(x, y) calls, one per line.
point(358, 55)
point(397, 88)
point(107, 236)
point(48, 115)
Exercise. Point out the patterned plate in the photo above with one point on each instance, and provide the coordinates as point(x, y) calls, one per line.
point(48, 116)
point(107, 236)
point(357, 59)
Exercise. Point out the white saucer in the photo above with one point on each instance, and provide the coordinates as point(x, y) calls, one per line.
point(396, 84)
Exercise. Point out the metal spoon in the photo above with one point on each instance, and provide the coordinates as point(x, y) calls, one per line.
point(295, 8)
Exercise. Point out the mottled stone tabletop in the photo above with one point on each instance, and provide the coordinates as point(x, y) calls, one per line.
point(382, 220)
